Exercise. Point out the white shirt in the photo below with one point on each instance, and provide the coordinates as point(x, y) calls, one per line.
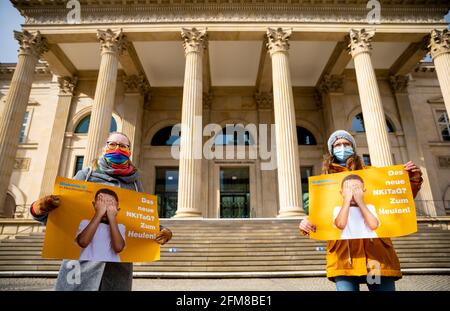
point(100, 248)
point(356, 227)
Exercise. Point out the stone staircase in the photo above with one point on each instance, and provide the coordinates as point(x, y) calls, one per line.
point(236, 248)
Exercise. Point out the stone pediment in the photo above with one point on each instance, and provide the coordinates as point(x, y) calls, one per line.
point(247, 11)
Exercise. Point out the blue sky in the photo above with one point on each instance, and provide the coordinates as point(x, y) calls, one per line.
point(10, 20)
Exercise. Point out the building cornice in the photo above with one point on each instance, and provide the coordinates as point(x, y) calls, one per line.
point(50, 12)
point(7, 69)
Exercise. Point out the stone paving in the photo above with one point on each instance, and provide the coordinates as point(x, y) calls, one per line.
point(408, 283)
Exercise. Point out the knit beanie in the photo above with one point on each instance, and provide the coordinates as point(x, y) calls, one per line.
point(340, 134)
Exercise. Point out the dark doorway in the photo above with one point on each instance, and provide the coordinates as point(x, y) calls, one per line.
point(166, 189)
point(234, 192)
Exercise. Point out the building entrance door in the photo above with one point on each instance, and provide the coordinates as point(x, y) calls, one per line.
point(234, 192)
point(166, 189)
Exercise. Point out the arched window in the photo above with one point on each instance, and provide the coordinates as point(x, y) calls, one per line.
point(358, 124)
point(305, 137)
point(83, 126)
point(164, 137)
point(234, 135)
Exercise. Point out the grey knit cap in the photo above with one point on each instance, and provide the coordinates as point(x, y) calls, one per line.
point(337, 135)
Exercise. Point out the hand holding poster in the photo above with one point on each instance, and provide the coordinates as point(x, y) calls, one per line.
point(101, 223)
point(370, 203)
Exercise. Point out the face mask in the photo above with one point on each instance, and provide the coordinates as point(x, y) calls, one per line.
point(116, 156)
point(342, 153)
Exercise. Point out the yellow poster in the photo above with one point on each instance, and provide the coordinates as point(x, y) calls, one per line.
point(101, 223)
point(369, 203)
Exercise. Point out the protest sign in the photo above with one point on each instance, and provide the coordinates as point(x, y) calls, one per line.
point(387, 205)
point(136, 224)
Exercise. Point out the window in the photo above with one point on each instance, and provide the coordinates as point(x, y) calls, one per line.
point(164, 137)
point(305, 137)
point(366, 159)
point(166, 189)
point(83, 126)
point(23, 130)
point(443, 124)
point(358, 124)
point(78, 164)
point(234, 135)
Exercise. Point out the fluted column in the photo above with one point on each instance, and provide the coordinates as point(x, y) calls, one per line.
point(31, 47)
point(289, 183)
point(372, 107)
point(189, 175)
point(65, 96)
point(137, 90)
point(440, 52)
point(112, 44)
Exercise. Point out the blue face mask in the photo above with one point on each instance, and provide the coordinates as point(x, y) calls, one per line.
point(342, 153)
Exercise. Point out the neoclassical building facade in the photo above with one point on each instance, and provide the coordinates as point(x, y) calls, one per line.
point(305, 67)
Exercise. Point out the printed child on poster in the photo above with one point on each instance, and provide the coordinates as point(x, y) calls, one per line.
point(369, 203)
point(101, 223)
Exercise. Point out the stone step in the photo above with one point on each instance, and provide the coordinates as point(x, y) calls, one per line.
point(237, 246)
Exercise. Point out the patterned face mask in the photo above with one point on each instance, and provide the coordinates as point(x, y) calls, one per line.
point(342, 153)
point(118, 156)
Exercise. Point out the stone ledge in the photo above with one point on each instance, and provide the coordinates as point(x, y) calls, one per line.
point(220, 275)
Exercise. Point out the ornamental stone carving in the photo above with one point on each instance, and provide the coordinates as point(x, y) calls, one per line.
point(278, 39)
point(112, 41)
point(439, 42)
point(360, 41)
point(136, 84)
point(331, 83)
point(247, 11)
point(207, 100)
point(67, 85)
point(264, 100)
point(399, 83)
point(194, 40)
point(31, 43)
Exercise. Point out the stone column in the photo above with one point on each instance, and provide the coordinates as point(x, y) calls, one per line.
point(65, 96)
point(372, 107)
point(440, 52)
point(137, 89)
point(112, 45)
point(289, 183)
point(31, 47)
point(191, 126)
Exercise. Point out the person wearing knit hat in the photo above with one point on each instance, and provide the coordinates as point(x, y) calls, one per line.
point(340, 134)
point(347, 259)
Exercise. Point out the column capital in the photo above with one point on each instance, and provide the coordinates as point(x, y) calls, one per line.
point(278, 39)
point(399, 83)
point(264, 100)
point(31, 43)
point(360, 41)
point(112, 41)
point(194, 40)
point(136, 84)
point(67, 85)
point(439, 42)
point(331, 84)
